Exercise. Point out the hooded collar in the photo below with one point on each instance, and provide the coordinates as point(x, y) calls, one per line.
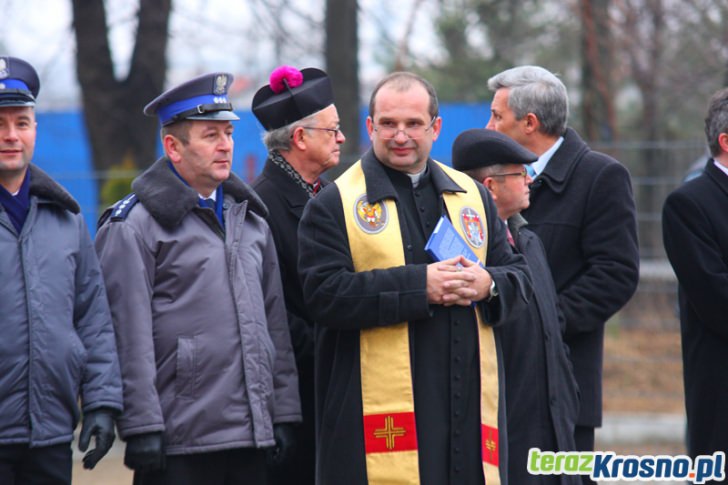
point(380, 186)
point(562, 164)
point(168, 199)
point(48, 190)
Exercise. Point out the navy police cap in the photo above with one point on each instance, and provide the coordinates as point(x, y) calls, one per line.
point(202, 98)
point(291, 96)
point(19, 83)
point(481, 147)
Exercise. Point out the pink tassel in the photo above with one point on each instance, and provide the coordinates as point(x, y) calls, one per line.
point(290, 75)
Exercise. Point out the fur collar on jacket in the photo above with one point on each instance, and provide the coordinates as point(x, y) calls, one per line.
point(44, 187)
point(516, 222)
point(169, 200)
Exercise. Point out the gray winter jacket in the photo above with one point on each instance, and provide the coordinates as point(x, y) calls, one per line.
point(57, 341)
point(201, 324)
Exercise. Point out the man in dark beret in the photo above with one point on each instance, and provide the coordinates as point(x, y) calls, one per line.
point(303, 138)
point(542, 401)
point(57, 346)
point(192, 275)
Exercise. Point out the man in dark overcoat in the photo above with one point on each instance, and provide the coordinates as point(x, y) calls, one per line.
point(542, 401)
point(408, 375)
point(695, 233)
point(583, 209)
point(303, 139)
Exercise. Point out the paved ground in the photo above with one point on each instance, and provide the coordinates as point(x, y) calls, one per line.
point(643, 404)
point(109, 471)
point(638, 434)
point(643, 434)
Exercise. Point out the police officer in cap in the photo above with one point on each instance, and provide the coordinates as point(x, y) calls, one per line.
point(192, 274)
point(57, 343)
point(542, 401)
point(303, 138)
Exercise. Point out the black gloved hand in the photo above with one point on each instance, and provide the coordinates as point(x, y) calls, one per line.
point(145, 452)
point(285, 444)
point(98, 423)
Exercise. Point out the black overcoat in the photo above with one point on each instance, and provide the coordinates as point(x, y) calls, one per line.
point(695, 233)
point(285, 200)
point(583, 209)
point(542, 401)
point(443, 340)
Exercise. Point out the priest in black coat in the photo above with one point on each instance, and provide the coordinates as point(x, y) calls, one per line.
point(695, 233)
point(303, 140)
point(403, 193)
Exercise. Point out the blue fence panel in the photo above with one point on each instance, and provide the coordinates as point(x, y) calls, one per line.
point(63, 151)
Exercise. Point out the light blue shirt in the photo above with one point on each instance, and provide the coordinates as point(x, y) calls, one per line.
point(721, 166)
point(540, 164)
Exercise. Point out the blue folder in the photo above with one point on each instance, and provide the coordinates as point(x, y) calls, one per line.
point(445, 243)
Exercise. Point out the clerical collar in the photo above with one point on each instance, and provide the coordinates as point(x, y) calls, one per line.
point(540, 164)
point(283, 164)
point(416, 177)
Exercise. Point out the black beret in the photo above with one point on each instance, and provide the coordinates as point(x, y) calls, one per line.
point(19, 83)
point(201, 98)
point(481, 147)
point(291, 96)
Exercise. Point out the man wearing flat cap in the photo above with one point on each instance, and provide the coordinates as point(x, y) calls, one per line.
point(192, 274)
point(408, 374)
point(57, 347)
point(303, 139)
point(542, 401)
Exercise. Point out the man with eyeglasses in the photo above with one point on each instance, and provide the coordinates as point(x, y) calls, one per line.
point(542, 401)
point(408, 374)
point(303, 139)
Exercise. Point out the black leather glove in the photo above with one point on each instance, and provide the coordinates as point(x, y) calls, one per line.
point(98, 423)
point(285, 444)
point(145, 452)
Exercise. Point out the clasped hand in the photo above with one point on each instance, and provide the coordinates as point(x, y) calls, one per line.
point(457, 281)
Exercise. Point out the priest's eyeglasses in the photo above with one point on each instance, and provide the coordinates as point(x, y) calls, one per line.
point(333, 131)
point(413, 130)
point(523, 173)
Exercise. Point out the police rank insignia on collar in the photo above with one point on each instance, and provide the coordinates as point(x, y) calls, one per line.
point(472, 226)
point(220, 83)
point(3, 69)
point(371, 218)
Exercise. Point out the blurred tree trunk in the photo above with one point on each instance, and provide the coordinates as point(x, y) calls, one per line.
point(342, 65)
point(644, 39)
point(598, 114)
point(644, 25)
point(121, 137)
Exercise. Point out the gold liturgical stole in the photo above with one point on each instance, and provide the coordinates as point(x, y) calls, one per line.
point(375, 241)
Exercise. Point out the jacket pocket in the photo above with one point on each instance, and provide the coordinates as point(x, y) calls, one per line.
point(79, 362)
point(185, 381)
